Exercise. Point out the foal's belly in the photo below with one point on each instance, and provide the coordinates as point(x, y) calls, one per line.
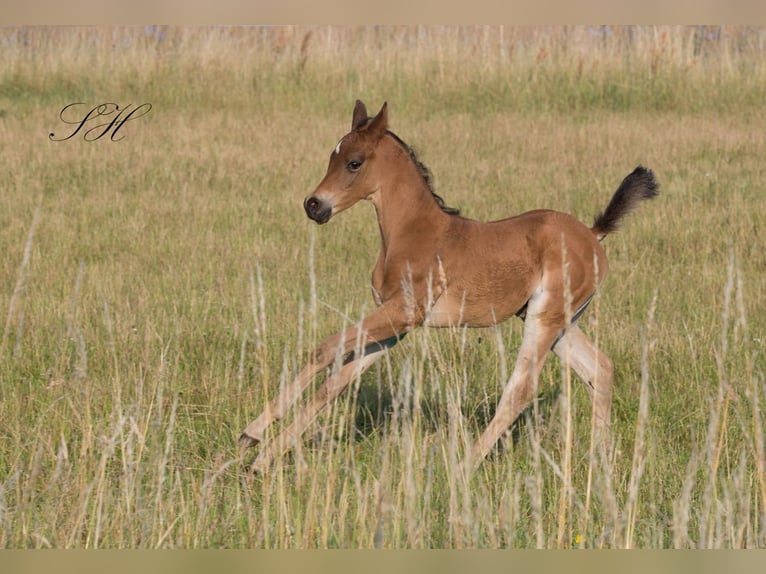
point(451, 311)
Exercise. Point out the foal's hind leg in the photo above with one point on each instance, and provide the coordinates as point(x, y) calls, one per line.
point(538, 337)
point(594, 367)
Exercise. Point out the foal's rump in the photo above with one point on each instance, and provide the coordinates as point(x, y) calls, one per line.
point(574, 265)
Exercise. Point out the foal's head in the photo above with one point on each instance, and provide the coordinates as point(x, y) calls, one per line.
point(351, 174)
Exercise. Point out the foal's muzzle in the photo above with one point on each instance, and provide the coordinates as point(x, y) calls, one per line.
point(317, 209)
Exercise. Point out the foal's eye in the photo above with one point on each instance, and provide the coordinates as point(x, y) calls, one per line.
point(354, 165)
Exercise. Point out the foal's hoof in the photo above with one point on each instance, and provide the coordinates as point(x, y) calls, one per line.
point(258, 467)
point(246, 441)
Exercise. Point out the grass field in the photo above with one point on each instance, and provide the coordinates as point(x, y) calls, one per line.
point(156, 290)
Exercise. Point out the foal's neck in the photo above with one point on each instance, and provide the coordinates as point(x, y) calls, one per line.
point(406, 207)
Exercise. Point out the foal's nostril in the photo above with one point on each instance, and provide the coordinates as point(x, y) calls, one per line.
point(311, 205)
point(316, 209)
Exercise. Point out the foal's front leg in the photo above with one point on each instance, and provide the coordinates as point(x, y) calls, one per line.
point(383, 327)
point(331, 388)
point(276, 409)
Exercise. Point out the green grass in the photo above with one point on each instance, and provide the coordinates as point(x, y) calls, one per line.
point(157, 290)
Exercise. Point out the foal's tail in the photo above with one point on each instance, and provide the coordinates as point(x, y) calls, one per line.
point(638, 185)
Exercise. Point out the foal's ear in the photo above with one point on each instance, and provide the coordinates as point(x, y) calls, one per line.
point(379, 123)
point(360, 115)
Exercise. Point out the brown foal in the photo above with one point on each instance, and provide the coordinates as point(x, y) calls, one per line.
point(439, 269)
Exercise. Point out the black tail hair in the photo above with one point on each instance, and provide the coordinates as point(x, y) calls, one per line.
point(640, 184)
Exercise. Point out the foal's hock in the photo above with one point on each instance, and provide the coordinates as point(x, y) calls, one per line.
point(439, 269)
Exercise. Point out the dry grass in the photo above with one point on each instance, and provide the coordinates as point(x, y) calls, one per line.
point(156, 290)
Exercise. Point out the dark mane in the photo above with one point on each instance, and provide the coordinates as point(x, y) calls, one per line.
point(425, 173)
